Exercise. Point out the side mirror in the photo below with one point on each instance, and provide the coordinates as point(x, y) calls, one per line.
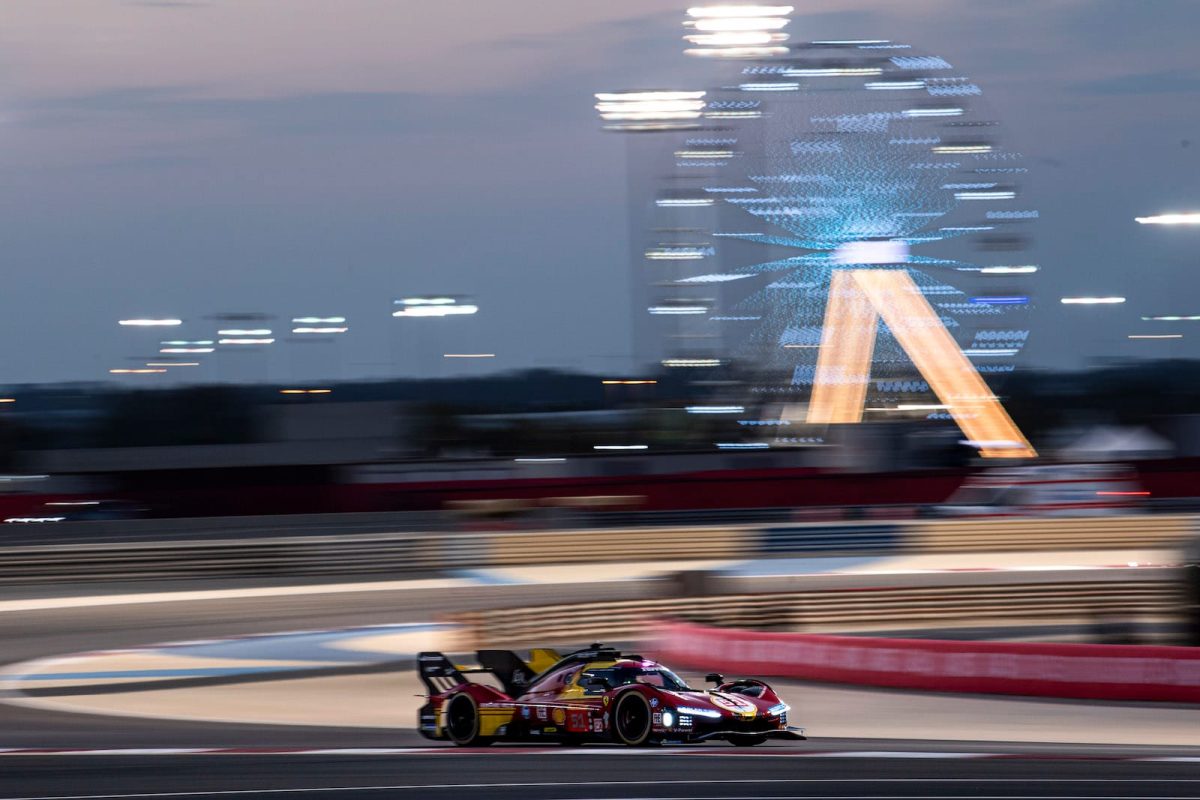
point(715, 678)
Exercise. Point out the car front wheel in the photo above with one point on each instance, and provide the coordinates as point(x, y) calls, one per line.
point(632, 719)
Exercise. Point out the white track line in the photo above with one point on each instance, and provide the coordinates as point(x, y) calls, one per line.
point(53, 603)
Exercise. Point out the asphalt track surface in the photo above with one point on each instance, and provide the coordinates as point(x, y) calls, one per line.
point(580, 775)
point(863, 768)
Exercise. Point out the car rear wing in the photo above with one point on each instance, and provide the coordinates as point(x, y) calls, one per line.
point(438, 673)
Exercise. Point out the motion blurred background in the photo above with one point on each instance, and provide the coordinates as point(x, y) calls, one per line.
point(870, 325)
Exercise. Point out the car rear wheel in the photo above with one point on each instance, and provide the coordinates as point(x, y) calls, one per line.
point(632, 719)
point(462, 722)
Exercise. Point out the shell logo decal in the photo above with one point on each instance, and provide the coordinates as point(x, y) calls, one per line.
point(733, 703)
point(560, 716)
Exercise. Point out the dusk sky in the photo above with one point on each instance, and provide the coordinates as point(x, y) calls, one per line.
point(185, 157)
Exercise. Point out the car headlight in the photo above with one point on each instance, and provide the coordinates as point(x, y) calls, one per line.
point(779, 709)
point(668, 719)
point(711, 713)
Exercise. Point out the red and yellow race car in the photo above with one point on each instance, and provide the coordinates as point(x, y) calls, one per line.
point(596, 694)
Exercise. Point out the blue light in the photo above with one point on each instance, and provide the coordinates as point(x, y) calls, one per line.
point(1010, 300)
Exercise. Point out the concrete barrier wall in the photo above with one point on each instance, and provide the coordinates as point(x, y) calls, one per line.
point(1079, 671)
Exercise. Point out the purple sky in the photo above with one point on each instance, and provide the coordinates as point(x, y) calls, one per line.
point(184, 157)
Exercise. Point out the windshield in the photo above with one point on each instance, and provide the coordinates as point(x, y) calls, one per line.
point(658, 676)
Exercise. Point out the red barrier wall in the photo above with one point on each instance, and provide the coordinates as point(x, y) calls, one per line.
point(1102, 672)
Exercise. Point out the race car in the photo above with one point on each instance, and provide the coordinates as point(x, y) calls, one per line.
point(596, 694)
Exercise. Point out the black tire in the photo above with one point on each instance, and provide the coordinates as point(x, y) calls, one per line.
point(632, 720)
point(462, 722)
point(746, 741)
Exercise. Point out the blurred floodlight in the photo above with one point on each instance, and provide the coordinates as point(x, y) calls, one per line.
point(683, 202)
point(894, 85)
point(736, 52)
point(887, 252)
point(989, 351)
point(934, 112)
point(1172, 318)
point(710, 12)
point(149, 323)
point(146, 371)
point(8, 399)
point(435, 311)
point(661, 310)
point(318, 320)
point(306, 391)
point(996, 195)
point(186, 342)
point(182, 350)
point(318, 329)
point(618, 382)
point(244, 332)
point(620, 447)
point(740, 23)
point(691, 362)
point(1190, 218)
point(715, 409)
point(433, 306)
point(1092, 301)
point(714, 278)
point(539, 460)
point(735, 38)
point(770, 86)
point(1155, 336)
point(962, 148)
point(638, 109)
point(245, 340)
point(742, 445)
point(172, 364)
point(468, 355)
point(1019, 270)
point(997, 444)
point(34, 519)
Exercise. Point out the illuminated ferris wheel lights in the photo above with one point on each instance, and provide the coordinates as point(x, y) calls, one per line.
point(823, 72)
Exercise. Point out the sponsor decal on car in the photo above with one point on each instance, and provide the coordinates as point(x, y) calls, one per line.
point(542, 713)
point(577, 721)
point(653, 702)
point(734, 704)
point(658, 718)
point(560, 716)
point(525, 711)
